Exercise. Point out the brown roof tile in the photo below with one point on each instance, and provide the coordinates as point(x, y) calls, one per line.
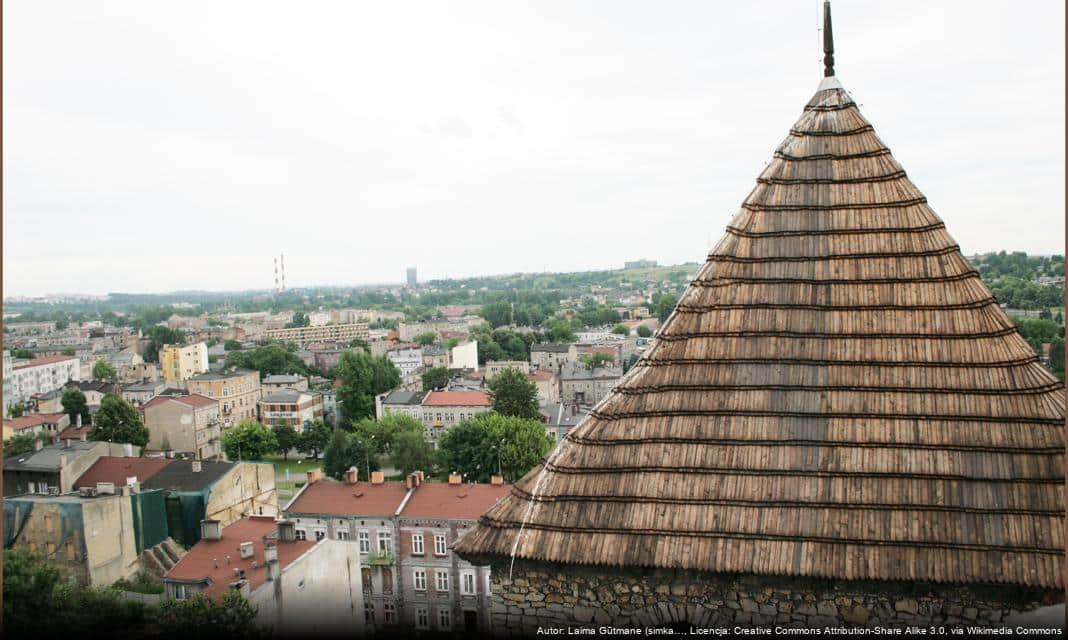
point(330, 497)
point(116, 469)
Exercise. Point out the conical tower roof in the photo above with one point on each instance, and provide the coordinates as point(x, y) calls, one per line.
point(837, 395)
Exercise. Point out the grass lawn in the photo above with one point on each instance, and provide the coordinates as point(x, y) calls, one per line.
point(297, 466)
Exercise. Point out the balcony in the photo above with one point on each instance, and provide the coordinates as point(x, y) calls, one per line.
point(380, 558)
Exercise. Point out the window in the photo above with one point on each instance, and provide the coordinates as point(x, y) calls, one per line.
point(369, 612)
point(302, 534)
point(389, 613)
point(365, 577)
point(422, 618)
point(442, 580)
point(319, 535)
point(444, 619)
point(70, 550)
point(387, 580)
point(385, 541)
point(419, 579)
point(417, 544)
point(365, 541)
point(342, 535)
point(467, 583)
point(439, 545)
point(179, 592)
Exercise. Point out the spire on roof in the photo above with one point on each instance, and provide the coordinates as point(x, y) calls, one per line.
point(828, 41)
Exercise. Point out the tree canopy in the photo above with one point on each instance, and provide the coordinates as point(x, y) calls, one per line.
point(644, 331)
point(75, 404)
point(514, 395)
point(249, 440)
point(471, 448)
point(271, 359)
point(314, 438)
point(118, 421)
point(103, 370)
point(363, 376)
point(435, 378)
point(346, 450)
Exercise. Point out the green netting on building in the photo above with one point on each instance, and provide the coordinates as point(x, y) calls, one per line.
point(149, 518)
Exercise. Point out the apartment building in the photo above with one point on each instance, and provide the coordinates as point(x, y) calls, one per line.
point(36, 423)
point(331, 332)
point(178, 363)
point(237, 389)
point(398, 401)
point(290, 407)
point(298, 587)
point(138, 393)
point(407, 358)
point(493, 368)
point(184, 424)
point(551, 356)
point(405, 532)
point(547, 384)
point(273, 383)
point(42, 375)
point(580, 385)
point(445, 409)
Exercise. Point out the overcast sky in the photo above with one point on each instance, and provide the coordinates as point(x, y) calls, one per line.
point(154, 146)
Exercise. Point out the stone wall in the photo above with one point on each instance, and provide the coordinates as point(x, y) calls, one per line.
point(561, 596)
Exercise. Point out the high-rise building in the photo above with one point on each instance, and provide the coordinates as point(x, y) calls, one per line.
point(412, 280)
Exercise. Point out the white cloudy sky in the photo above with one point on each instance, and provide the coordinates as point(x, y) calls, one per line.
point(155, 146)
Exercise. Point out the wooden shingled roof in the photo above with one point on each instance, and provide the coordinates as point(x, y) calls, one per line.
point(836, 395)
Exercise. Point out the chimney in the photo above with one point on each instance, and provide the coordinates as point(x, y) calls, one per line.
point(83, 436)
point(351, 475)
point(196, 466)
point(66, 443)
point(274, 569)
point(377, 477)
point(409, 481)
point(454, 478)
point(78, 421)
point(38, 445)
point(287, 531)
point(128, 450)
point(314, 475)
point(246, 549)
point(270, 551)
point(496, 480)
point(419, 480)
point(211, 530)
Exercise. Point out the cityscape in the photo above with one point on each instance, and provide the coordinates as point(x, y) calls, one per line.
point(838, 420)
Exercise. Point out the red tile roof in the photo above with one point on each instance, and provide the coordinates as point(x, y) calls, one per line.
point(457, 399)
point(330, 497)
point(199, 563)
point(74, 432)
point(540, 375)
point(194, 400)
point(36, 362)
point(33, 420)
point(453, 501)
point(116, 469)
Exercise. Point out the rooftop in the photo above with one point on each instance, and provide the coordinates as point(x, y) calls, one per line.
point(286, 396)
point(404, 397)
point(457, 399)
point(224, 375)
point(116, 470)
point(330, 497)
point(179, 475)
point(551, 347)
point(194, 400)
point(215, 560)
point(283, 379)
point(578, 371)
point(453, 501)
point(47, 459)
point(43, 360)
point(33, 420)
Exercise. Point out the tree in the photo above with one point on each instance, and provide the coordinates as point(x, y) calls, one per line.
point(28, 586)
point(644, 331)
point(103, 370)
point(621, 329)
point(232, 345)
point(435, 378)
point(595, 360)
point(514, 395)
point(67, 352)
point(201, 617)
point(411, 452)
point(24, 443)
point(475, 448)
point(74, 404)
point(498, 314)
point(314, 439)
point(286, 437)
point(663, 305)
point(249, 440)
point(16, 410)
point(23, 354)
point(272, 359)
point(427, 338)
point(347, 450)
point(382, 433)
point(560, 330)
point(300, 319)
point(118, 421)
point(363, 376)
point(159, 335)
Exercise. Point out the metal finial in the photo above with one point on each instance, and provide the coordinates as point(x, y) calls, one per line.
point(828, 41)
